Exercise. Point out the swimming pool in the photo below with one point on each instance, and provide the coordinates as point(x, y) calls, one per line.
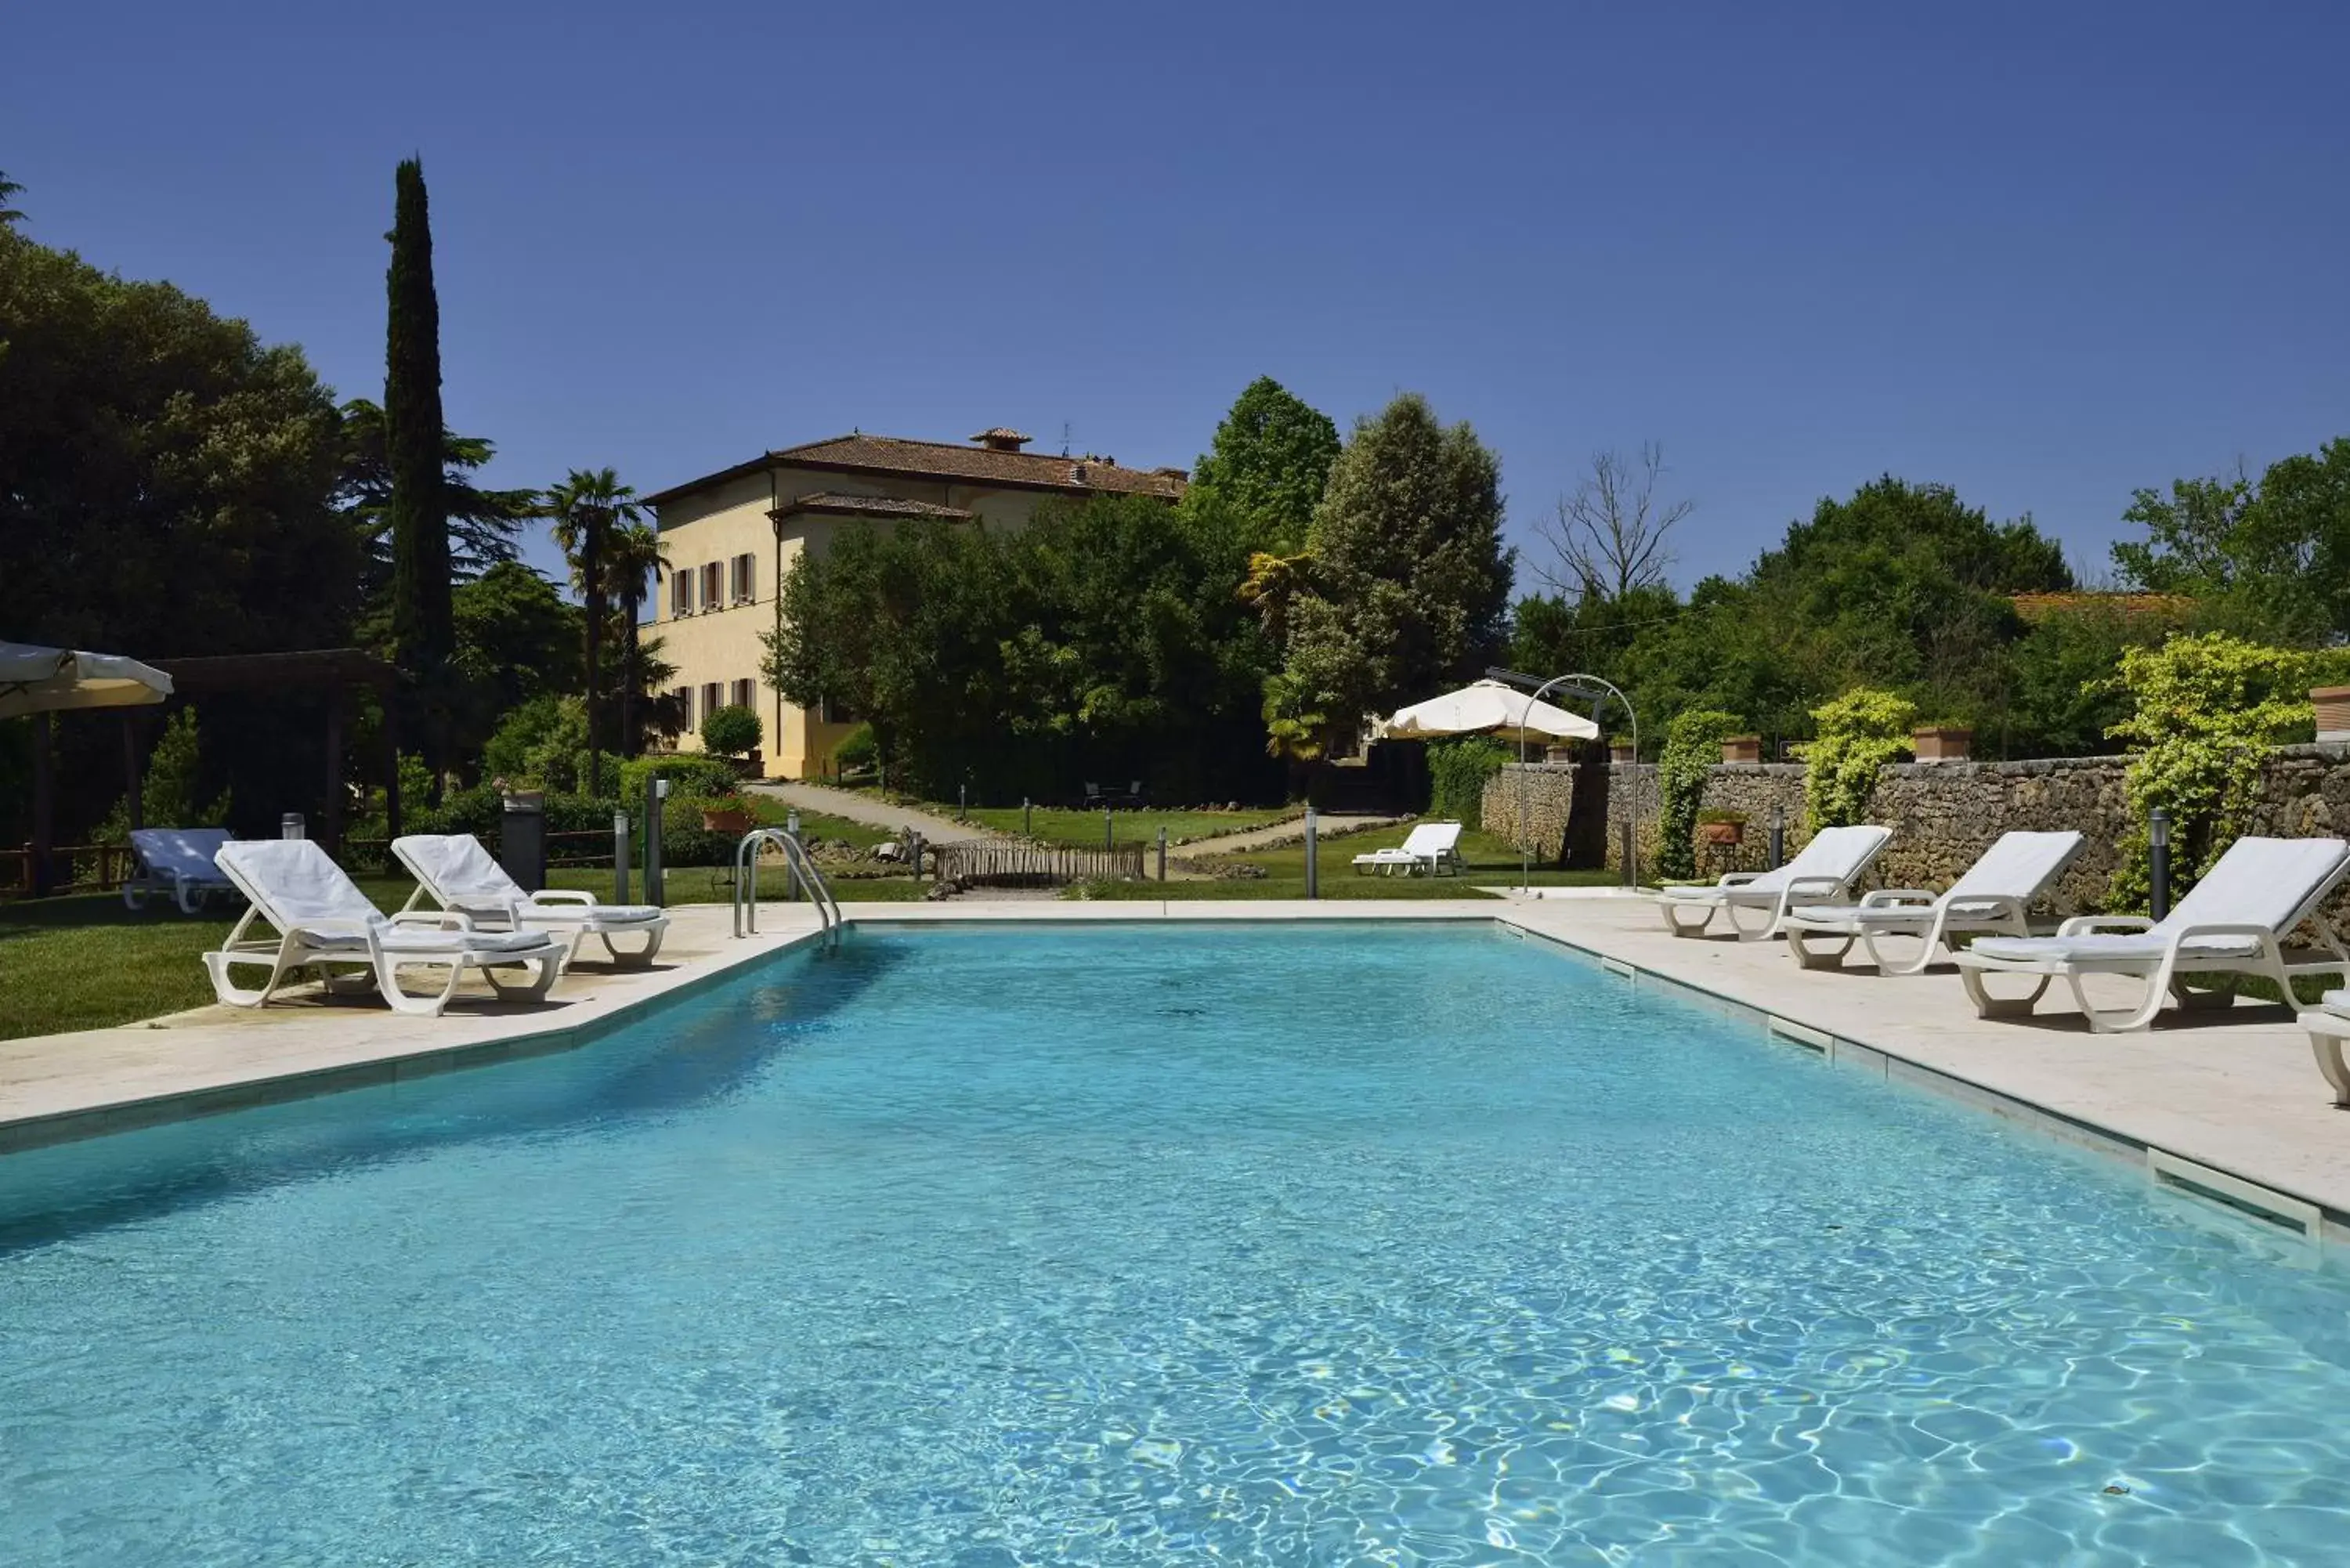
point(1280, 1243)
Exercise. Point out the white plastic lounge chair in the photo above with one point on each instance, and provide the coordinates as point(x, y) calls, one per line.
point(2234, 922)
point(326, 923)
point(1825, 870)
point(2329, 1026)
point(1434, 845)
point(176, 863)
point(1992, 897)
point(458, 873)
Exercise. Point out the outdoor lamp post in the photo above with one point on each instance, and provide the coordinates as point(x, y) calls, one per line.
point(1778, 834)
point(2158, 862)
point(1593, 688)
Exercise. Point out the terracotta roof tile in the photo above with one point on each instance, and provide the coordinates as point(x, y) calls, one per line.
point(830, 503)
point(861, 453)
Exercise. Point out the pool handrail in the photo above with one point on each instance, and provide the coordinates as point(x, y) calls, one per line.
point(803, 867)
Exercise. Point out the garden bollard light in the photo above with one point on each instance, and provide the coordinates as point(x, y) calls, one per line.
point(962, 803)
point(1313, 866)
point(1778, 834)
point(916, 840)
point(290, 825)
point(620, 857)
point(2157, 863)
point(1028, 829)
point(1109, 830)
point(1162, 853)
point(656, 791)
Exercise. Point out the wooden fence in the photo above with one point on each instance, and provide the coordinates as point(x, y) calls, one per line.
point(99, 868)
point(1033, 864)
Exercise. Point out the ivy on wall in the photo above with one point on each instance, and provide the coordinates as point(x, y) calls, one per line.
point(1458, 770)
point(1692, 746)
point(2204, 711)
point(1859, 733)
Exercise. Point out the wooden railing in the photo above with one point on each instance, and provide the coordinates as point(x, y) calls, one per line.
point(73, 868)
point(1033, 864)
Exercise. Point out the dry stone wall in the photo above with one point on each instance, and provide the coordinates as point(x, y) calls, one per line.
point(1944, 815)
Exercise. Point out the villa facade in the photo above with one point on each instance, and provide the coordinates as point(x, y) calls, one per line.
point(729, 539)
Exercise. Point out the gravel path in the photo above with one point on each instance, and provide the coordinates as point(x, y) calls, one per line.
point(1329, 824)
point(873, 813)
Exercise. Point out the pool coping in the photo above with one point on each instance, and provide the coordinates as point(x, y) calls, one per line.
point(517, 1036)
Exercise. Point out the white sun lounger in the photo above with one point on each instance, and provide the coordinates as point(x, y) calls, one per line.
point(455, 870)
point(1825, 870)
point(2329, 1025)
point(176, 863)
point(1433, 845)
point(324, 923)
point(1992, 897)
point(2234, 922)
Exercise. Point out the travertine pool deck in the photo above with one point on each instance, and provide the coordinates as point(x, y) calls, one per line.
point(2235, 1091)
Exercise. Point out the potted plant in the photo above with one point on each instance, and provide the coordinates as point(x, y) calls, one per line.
point(1742, 748)
point(1721, 829)
point(1620, 753)
point(731, 817)
point(1942, 742)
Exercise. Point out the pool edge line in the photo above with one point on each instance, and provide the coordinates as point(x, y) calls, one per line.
point(2330, 1231)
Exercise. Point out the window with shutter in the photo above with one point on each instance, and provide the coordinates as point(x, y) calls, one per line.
point(713, 586)
point(742, 694)
point(747, 579)
point(685, 695)
point(711, 700)
point(680, 592)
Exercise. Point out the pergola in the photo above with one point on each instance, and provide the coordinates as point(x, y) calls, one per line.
point(331, 670)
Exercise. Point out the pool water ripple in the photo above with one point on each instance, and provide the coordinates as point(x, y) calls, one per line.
point(1354, 1244)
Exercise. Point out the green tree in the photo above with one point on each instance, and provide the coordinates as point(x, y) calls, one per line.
point(9, 190)
point(732, 732)
point(587, 508)
point(516, 641)
point(1268, 461)
point(482, 521)
point(164, 486)
point(1692, 746)
point(2267, 560)
point(1411, 579)
point(633, 560)
point(1858, 733)
point(423, 630)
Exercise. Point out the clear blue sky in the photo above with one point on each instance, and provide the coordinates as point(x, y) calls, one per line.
point(2043, 252)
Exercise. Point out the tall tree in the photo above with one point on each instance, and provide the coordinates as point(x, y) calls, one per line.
point(422, 625)
point(2269, 560)
point(1613, 535)
point(586, 508)
point(1267, 463)
point(632, 559)
point(482, 521)
point(1411, 579)
point(9, 190)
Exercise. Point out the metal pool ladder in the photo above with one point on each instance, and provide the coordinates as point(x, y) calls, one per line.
point(796, 855)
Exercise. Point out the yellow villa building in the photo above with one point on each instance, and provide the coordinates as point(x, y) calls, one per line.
point(729, 539)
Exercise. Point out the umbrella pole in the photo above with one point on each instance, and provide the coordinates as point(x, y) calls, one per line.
point(45, 791)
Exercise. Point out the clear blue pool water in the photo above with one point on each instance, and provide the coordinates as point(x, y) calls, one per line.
point(1356, 1244)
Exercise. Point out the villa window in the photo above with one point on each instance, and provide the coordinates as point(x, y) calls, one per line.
point(742, 693)
point(711, 700)
point(685, 695)
point(747, 579)
point(680, 592)
point(713, 584)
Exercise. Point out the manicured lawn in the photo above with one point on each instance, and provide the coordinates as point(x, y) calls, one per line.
point(1059, 825)
point(84, 961)
point(1490, 860)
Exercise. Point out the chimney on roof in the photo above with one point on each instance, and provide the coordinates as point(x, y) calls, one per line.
point(1002, 439)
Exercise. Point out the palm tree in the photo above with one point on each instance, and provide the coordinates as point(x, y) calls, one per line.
point(586, 508)
point(632, 559)
point(9, 216)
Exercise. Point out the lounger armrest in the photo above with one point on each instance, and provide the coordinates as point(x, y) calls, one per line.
point(2239, 928)
point(1737, 878)
point(562, 896)
point(1815, 884)
point(1885, 898)
point(437, 920)
point(2085, 925)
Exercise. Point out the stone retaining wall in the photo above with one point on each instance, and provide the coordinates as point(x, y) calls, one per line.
point(1944, 815)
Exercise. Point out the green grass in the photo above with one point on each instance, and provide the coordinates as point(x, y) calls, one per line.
point(1059, 825)
point(1490, 858)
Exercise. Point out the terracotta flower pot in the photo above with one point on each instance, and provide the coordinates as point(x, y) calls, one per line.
point(1720, 835)
point(1742, 748)
point(2333, 705)
point(733, 821)
point(1940, 744)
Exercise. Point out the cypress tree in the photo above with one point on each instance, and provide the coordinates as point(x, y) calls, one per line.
point(422, 629)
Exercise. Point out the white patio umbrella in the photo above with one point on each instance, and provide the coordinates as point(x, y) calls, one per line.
point(45, 680)
point(1486, 706)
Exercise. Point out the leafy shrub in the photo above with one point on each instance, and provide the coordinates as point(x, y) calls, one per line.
point(685, 842)
point(732, 732)
point(1716, 817)
point(1459, 770)
point(856, 751)
point(1692, 746)
point(541, 745)
point(688, 774)
point(169, 793)
point(481, 811)
point(1859, 733)
point(2204, 711)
